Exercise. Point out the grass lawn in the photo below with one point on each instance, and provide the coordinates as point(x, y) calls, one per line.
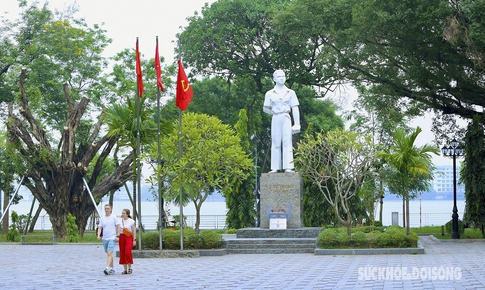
point(90, 236)
point(40, 236)
point(470, 233)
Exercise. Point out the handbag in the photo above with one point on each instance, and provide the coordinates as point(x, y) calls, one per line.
point(126, 231)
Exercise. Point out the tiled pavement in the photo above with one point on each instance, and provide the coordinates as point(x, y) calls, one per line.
point(80, 267)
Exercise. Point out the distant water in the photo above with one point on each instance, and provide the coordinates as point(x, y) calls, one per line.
point(214, 213)
point(422, 213)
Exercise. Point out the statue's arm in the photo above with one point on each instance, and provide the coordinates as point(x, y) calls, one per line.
point(267, 105)
point(295, 111)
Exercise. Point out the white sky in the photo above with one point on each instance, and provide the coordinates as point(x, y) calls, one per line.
point(124, 20)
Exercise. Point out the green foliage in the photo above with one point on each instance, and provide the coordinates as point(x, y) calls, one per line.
point(383, 241)
point(171, 239)
point(13, 234)
point(394, 48)
point(327, 159)
point(358, 239)
point(211, 239)
point(449, 227)
point(373, 223)
point(75, 57)
point(393, 237)
point(473, 173)
point(72, 230)
point(207, 239)
point(212, 159)
point(411, 165)
point(194, 241)
point(151, 240)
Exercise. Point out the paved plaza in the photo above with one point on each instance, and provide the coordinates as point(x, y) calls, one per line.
point(446, 265)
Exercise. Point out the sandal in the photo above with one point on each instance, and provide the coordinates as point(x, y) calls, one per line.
point(130, 271)
point(124, 272)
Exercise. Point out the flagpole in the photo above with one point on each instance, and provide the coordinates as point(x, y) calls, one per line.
point(160, 198)
point(180, 173)
point(138, 171)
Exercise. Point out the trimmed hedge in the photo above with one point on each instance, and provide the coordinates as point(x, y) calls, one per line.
point(392, 237)
point(207, 239)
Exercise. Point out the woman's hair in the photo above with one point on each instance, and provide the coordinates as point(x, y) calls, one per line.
point(127, 212)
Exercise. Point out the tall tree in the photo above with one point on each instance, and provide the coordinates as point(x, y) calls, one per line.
point(473, 174)
point(55, 177)
point(410, 162)
point(429, 54)
point(55, 48)
point(212, 159)
point(241, 200)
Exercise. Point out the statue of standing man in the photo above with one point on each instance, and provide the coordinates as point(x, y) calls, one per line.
point(279, 102)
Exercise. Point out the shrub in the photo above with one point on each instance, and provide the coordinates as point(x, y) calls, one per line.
point(171, 239)
point(372, 239)
point(343, 239)
point(393, 237)
point(373, 223)
point(368, 229)
point(72, 230)
point(326, 239)
point(230, 231)
point(449, 227)
point(412, 240)
point(358, 239)
point(195, 241)
point(211, 240)
point(151, 240)
point(383, 240)
point(13, 234)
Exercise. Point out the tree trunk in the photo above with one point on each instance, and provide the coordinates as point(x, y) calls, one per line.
point(197, 217)
point(403, 212)
point(5, 222)
point(380, 208)
point(407, 214)
point(34, 219)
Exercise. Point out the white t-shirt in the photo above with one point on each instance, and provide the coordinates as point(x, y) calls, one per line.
point(127, 224)
point(109, 223)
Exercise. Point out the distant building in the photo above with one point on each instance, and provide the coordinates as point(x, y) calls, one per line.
point(443, 183)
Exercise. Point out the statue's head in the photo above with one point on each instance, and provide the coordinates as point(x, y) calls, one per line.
point(279, 76)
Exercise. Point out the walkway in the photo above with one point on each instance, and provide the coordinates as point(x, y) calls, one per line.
point(461, 265)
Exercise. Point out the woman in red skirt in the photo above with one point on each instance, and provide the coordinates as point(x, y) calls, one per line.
point(127, 237)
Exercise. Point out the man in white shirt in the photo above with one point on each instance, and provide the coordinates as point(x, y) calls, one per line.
point(279, 102)
point(110, 227)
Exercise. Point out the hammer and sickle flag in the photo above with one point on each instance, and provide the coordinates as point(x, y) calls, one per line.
point(184, 90)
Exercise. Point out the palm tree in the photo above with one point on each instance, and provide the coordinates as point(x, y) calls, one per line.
point(412, 164)
point(122, 122)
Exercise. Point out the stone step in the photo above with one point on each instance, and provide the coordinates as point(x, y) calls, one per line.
point(283, 233)
point(273, 251)
point(270, 246)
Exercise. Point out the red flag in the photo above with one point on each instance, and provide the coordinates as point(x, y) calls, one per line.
point(184, 90)
point(139, 78)
point(158, 69)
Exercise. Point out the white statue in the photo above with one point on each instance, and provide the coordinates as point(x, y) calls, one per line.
point(279, 102)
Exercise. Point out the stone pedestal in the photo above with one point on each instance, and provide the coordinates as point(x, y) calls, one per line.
point(281, 193)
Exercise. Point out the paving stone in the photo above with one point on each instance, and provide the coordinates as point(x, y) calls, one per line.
point(79, 266)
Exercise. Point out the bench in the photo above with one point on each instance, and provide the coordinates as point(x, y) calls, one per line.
point(46, 240)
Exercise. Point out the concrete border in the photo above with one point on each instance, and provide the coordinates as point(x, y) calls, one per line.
point(380, 251)
point(177, 253)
